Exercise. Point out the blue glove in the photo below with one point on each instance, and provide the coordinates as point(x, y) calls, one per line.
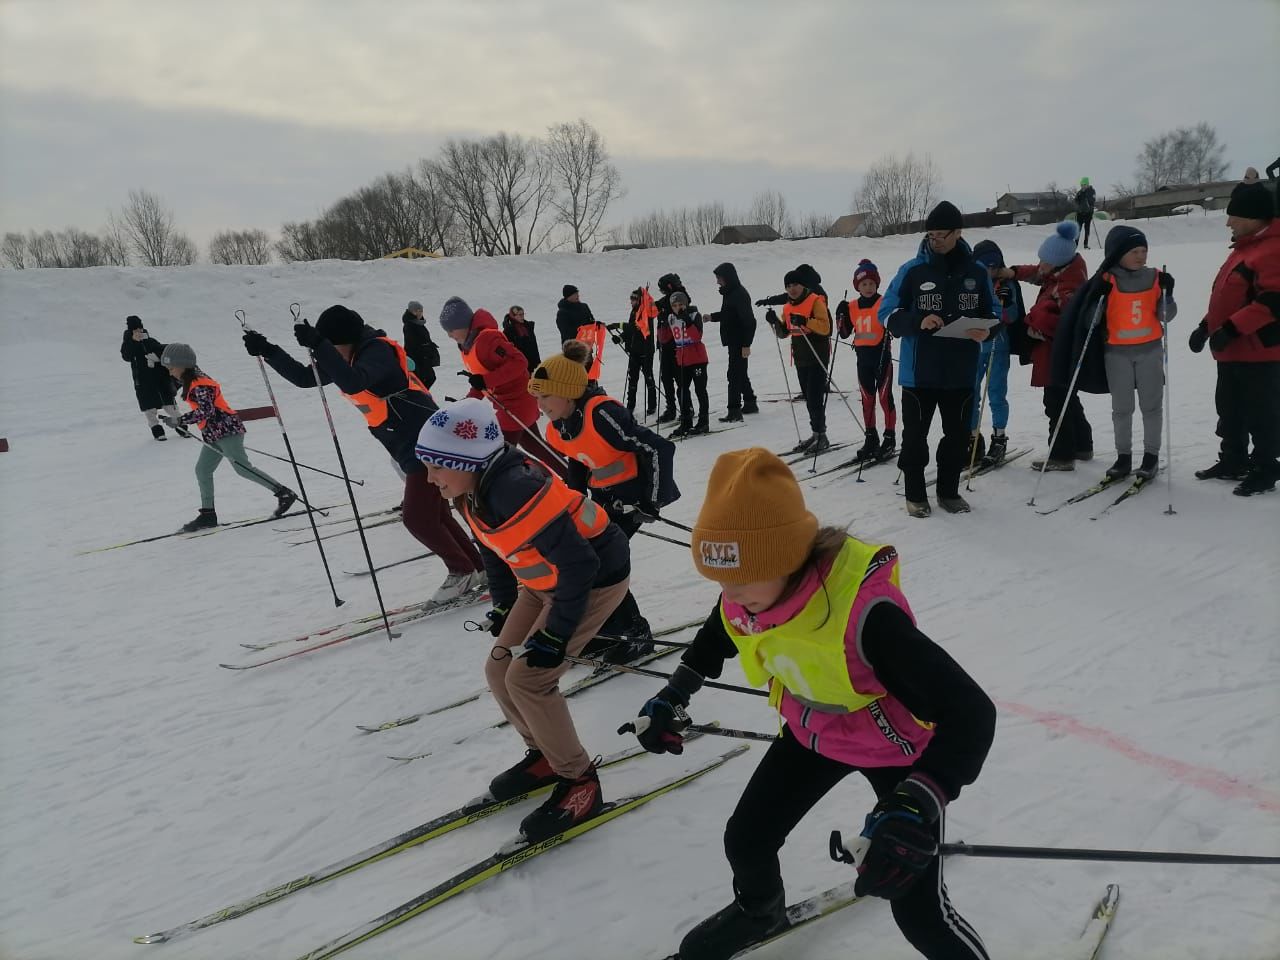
point(546, 650)
point(904, 841)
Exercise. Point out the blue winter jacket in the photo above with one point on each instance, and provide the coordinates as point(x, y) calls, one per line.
point(951, 286)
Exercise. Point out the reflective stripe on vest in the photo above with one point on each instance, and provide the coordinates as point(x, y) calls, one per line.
point(868, 331)
point(1133, 318)
point(513, 540)
point(375, 408)
point(219, 401)
point(607, 464)
point(803, 310)
point(806, 655)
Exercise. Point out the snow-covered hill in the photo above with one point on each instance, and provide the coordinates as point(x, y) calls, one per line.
point(1134, 660)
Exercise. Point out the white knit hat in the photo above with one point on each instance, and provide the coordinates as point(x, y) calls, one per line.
point(463, 435)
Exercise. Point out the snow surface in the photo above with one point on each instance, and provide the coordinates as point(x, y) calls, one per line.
point(1134, 659)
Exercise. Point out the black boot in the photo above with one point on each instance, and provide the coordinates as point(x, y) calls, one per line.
point(1257, 480)
point(285, 498)
point(750, 406)
point(1150, 465)
point(888, 446)
point(820, 444)
point(668, 414)
point(1121, 468)
point(996, 450)
point(571, 802)
point(205, 519)
point(977, 449)
point(530, 773)
point(727, 931)
point(733, 416)
point(685, 428)
point(1222, 470)
point(157, 431)
point(702, 426)
point(870, 448)
point(804, 445)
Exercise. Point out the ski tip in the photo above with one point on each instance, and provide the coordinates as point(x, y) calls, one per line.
point(151, 938)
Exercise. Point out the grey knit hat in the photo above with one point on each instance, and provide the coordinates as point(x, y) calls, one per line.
point(455, 314)
point(178, 355)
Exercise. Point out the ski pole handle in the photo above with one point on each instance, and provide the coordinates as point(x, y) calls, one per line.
point(842, 854)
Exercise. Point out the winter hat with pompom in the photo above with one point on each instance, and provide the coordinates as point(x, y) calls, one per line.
point(1059, 247)
point(866, 270)
point(463, 435)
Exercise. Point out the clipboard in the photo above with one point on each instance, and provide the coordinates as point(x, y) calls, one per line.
point(961, 326)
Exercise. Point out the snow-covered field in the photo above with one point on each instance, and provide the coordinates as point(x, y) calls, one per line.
point(1134, 660)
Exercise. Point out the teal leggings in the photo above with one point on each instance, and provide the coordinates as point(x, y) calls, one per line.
point(232, 448)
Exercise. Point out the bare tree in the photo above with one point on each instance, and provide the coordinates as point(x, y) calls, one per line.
point(520, 181)
point(703, 222)
point(813, 225)
point(586, 181)
point(770, 209)
point(1184, 155)
point(14, 250)
point(115, 244)
point(897, 191)
point(43, 249)
point(148, 226)
point(251, 247)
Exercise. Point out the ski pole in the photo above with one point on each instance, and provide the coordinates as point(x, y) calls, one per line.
point(304, 466)
point(1071, 390)
point(678, 526)
point(777, 342)
point(293, 461)
point(831, 373)
point(659, 675)
point(658, 536)
point(982, 405)
point(1168, 403)
point(640, 724)
point(560, 461)
point(296, 310)
point(843, 398)
point(1118, 856)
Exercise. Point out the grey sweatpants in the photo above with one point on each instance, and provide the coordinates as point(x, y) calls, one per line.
point(1137, 369)
point(231, 448)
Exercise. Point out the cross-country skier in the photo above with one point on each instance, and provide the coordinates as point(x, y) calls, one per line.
point(557, 568)
point(995, 359)
point(221, 431)
point(820, 617)
point(668, 368)
point(636, 338)
point(685, 324)
point(806, 320)
point(372, 371)
point(625, 467)
point(860, 319)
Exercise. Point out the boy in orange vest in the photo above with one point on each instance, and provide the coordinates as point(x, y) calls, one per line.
point(871, 343)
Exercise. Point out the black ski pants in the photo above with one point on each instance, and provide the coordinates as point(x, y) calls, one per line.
point(1248, 402)
point(918, 407)
point(668, 371)
point(789, 781)
point(1076, 435)
point(740, 391)
point(693, 377)
point(640, 362)
point(1086, 226)
point(813, 385)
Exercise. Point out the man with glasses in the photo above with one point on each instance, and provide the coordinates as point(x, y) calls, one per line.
point(940, 285)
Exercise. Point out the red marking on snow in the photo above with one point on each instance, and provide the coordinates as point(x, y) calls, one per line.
point(4, 445)
point(1205, 778)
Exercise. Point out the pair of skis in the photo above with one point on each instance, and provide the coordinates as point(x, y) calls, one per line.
point(1132, 490)
point(706, 433)
point(233, 525)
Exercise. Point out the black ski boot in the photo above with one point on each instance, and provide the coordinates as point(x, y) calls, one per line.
point(735, 927)
point(1149, 467)
point(571, 802)
point(530, 773)
point(702, 426)
point(750, 407)
point(733, 416)
point(684, 430)
point(157, 431)
point(205, 520)
point(1121, 468)
point(996, 450)
point(953, 503)
point(667, 416)
point(820, 444)
point(977, 449)
point(1222, 470)
point(285, 498)
point(804, 445)
point(1257, 480)
point(870, 448)
point(888, 446)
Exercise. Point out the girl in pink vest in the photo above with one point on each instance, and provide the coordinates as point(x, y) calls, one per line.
point(820, 616)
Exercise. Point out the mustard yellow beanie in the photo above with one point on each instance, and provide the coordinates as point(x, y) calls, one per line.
point(753, 524)
point(559, 376)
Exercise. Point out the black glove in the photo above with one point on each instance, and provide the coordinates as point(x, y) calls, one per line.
point(762, 303)
point(1199, 337)
point(771, 316)
point(842, 310)
point(1223, 336)
point(497, 619)
point(546, 650)
point(255, 344)
point(176, 425)
point(306, 335)
point(904, 841)
point(1166, 282)
point(665, 712)
point(476, 380)
point(1105, 287)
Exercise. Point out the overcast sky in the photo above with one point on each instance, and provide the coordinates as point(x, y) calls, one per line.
point(253, 113)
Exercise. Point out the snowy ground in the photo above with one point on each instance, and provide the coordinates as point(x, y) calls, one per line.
point(1134, 659)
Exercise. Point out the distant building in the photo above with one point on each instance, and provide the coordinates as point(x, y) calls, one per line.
point(410, 253)
point(749, 233)
point(850, 225)
point(1040, 207)
point(623, 246)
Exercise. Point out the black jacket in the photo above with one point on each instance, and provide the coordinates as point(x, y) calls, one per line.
point(916, 671)
point(521, 334)
point(570, 316)
point(374, 366)
point(1086, 200)
point(1069, 342)
point(422, 350)
point(655, 486)
point(505, 486)
point(736, 318)
point(152, 384)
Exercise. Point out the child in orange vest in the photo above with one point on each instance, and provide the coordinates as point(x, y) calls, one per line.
point(221, 431)
point(871, 343)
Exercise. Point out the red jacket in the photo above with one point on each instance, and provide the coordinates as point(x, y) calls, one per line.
point(687, 332)
point(505, 372)
point(1056, 288)
point(1246, 291)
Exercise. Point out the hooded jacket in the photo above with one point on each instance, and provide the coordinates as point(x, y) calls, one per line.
point(570, 316)
point(152, 384)
point(1057, 288)
point(736, 318)
point(505, 372)
point(422, 350)
point(1246, 291)
point(1013, 310)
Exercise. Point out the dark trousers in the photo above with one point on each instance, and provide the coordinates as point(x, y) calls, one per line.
point(740, 391)
point(1248, 402)
point(1086, 227)
point(626, 615)
point(427, 516)
point(668, 371)
point(693, 378)
point(875, 379)
point(1076, 435)
point(640, 362)
point(813, 385)
point(785, 787)
point(918, 406)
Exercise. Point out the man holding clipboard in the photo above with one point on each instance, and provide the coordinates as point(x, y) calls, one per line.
point(941, 305)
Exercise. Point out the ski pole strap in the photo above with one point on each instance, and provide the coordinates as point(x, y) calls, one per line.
point(842, 854)
point(1119, 856)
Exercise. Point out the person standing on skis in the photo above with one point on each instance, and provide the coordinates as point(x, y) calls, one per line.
point(372, 371)
point(993, 362)
point(636, 340)
point(557, 568)
point(668, 368)
point(859, 318)
point(820, 617)
point(807, 322)
point(685, 324)
point(737, 332)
